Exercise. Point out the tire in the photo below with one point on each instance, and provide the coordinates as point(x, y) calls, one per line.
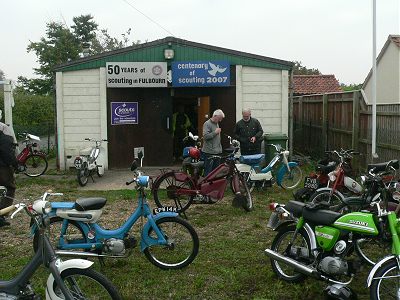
point(83, 175)
point(386, 288)
point(87, 284)
point(372, 250)
point(98, 173)
point(335, 201)
point(280, 244)
point(292, 179)
point(35, 165)
point(164, 192)
point(181, 236)
point(245, 191)
point(250, 184)
point(74, 233)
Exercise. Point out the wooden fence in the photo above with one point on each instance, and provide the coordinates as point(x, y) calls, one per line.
point(343, 120)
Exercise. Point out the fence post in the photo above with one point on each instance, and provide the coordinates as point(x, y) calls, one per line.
point(301, 120)
point(356, 120)
point(324, 122)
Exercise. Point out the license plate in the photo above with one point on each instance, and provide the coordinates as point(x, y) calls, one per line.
point(78, 163)
point(158, 210)
point(311, 183)
point(273, 220)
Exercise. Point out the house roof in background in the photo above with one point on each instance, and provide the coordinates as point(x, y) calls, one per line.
point(315, 84)
point(392, 38)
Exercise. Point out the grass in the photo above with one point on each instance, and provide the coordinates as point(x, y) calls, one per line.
point(231, 263)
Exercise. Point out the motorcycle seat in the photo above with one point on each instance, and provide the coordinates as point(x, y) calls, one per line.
point(295, 207)
point(251, 159)
point(380, 167)
point(320, 216)
point(325, 169)
point(83, 204)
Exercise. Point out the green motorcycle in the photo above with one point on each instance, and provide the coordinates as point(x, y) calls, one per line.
point(314, 241)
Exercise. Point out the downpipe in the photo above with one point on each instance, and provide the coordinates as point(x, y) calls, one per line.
point(293, 263)
point(86, 254)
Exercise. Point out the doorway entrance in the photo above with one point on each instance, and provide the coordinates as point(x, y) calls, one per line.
point(190, 112)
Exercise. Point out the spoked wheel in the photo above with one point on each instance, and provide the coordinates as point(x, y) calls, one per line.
point(87, 284)
point(83, 175)
point(387, 284)
point(372, 250)
point(35, 165)
point(292, 179)
point(245, 191)
point(166, 192)
point(73, 233)
point(299, 250)
point(332, 198)
point(181, 248)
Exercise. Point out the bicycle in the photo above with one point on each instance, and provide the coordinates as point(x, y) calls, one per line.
point(31, 162)
point(86, 163)
point(70, 279)
point(168, 241)
point(178, 190)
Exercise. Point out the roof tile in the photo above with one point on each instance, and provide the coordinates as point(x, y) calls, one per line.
point(315, 84)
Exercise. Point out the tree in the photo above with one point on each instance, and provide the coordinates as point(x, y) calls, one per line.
point(299, 69)
point(351, 87)
point(2, 75)
point(62, 44)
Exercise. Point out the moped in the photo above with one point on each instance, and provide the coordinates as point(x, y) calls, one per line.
point(168, 241)
point(31, 161)
point(86, 162)
point(70, 279)
point(178, 190)
point(317, 242)
point(288, 176)
point(193, 159)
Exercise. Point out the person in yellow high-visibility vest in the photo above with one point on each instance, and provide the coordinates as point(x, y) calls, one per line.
point(180, 126)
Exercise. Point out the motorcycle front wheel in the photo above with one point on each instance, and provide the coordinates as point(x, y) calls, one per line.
point(299, 250)
point(245, 191)
point(166, 192)
point(35, 165)
point(387, 284)
point(372, 250)
point(181, 248)
point(292, 179)
point(83, 175)
point(86, 284)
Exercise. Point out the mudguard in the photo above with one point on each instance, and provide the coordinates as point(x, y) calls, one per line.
point(68, 264)
point(376, 267)
point(282, 171)
point(146, 240)
point(309, 231)
point(336, 192)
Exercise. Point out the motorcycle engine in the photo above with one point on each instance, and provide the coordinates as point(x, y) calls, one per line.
point(114, 246)
point(333, 265)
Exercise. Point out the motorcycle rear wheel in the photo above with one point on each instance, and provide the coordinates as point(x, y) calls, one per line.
point(280, 245)
point(292, 179)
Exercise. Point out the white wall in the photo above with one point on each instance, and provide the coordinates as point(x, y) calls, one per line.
point(81, 112)
point(265, 92)
point(388, 81)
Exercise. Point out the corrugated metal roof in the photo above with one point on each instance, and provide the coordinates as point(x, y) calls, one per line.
point(184, 51)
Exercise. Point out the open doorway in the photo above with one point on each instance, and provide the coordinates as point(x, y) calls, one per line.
point(189, 115)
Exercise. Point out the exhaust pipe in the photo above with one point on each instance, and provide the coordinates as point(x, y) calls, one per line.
point(292, 263)
point(85, 254)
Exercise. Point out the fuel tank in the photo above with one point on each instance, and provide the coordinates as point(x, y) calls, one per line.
point(357, 222)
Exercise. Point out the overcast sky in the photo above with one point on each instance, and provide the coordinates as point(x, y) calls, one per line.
point(334, 36)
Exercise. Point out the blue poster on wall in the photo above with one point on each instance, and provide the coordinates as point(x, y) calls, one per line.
point(200, 73)
point(123, 113)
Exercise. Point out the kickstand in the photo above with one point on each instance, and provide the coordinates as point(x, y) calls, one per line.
point(102, 261)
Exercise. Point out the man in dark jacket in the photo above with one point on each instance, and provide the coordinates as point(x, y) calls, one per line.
point(248, 132)
point(8, 163)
